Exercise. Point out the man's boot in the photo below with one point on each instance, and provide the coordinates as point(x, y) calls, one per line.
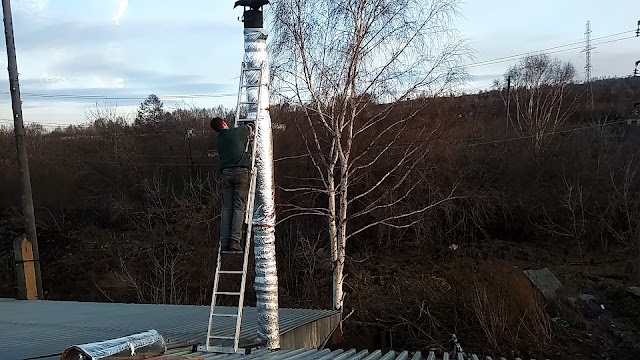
point(235, 246)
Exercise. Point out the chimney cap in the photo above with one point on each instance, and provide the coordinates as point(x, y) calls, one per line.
point(253, 4)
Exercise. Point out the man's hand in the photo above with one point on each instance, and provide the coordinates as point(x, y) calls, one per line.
point(251, 130)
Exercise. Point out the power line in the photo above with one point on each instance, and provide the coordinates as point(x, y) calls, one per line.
point(56, 160)
point(561, 48)
point(461, 143)
point(221, 95)
point(137, 98)
point(76, 125)
point(561, 131)
point(524, 54)
point(8, 121)
point(471, 143)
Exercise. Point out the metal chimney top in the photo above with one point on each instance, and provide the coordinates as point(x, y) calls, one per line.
point(252, 16)
point(253, 19)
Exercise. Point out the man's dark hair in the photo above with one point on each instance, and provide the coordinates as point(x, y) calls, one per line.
point(216, 124)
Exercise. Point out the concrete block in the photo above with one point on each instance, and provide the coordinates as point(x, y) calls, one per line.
point(544, 281)
point(634, 291)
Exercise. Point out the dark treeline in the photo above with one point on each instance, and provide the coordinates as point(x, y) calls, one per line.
point(128, 212)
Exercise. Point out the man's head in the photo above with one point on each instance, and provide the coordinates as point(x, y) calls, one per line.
point(217, 124)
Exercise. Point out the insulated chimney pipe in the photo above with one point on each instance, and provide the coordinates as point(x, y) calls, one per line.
point(264, 214)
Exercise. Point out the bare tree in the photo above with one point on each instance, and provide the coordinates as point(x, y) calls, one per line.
point(358, 74)
point(540, 96)
point(108, 123)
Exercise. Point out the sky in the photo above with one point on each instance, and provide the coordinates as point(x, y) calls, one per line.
point(119, 51)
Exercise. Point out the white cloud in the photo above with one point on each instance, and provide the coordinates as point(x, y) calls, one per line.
point(49, 78)
point(123, 8)
point(85, 82)
point(30, 7)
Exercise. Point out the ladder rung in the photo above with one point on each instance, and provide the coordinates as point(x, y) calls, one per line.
point(224, 350)
point(250, 86)
point(233, 252)
point(225, 315)
point(252, 69)
point(248, 103)
point(222, 337)
point(228, 293)
point(246, 120)
point(232, 272)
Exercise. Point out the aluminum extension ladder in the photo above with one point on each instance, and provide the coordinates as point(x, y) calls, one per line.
point(212, 337)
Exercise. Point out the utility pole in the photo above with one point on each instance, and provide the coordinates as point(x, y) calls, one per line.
point(635, 106)
point(508, 103)
point(23, 160)
point(587, 67)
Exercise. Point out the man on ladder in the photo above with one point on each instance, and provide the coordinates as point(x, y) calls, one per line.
point(239, 153)
point(235, 164)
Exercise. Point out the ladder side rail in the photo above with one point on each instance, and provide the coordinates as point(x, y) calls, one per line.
point(241, 83)
point(219, 260)
point(213, 295)
point(248, 213)
point(249, 217)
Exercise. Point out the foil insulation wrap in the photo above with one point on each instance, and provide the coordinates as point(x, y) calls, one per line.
point(139, 346)
point(264, 215)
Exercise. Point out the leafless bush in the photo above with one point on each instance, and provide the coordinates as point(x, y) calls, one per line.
point(485, 303)
point(574, 223)
point(624, 204)
point(164, 284)
point(177, 227)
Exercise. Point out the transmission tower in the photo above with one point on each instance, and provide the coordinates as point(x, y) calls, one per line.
point(587, 51)
point(587, 67)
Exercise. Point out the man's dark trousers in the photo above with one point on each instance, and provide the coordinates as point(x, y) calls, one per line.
point(235, 188)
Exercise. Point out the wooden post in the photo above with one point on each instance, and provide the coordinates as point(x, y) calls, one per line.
point(18, 126)
point(25, 268)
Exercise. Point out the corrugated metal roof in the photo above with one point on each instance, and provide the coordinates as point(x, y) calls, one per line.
point(325, 354)
point(40, 328)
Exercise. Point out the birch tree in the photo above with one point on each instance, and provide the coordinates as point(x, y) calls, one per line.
point(360, 73)
point(540, 97)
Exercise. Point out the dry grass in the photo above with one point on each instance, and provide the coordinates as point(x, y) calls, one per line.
point(482, 303)
point(506, 307)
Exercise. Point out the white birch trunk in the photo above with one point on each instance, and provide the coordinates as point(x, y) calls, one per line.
point(341, 241)
point(333, 238)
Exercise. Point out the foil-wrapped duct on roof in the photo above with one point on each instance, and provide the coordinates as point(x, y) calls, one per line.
point(140, 346)
point(264, 215)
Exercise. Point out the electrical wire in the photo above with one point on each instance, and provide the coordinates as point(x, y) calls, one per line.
point(221, 95)
point(561, 131)
point(522, 55)
point(137, 98)
point(460, 144)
